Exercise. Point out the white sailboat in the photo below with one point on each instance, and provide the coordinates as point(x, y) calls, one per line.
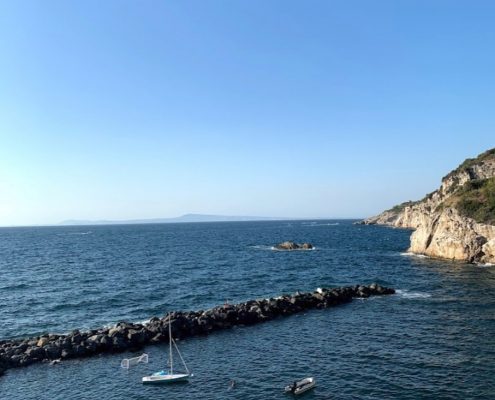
point(169, 376)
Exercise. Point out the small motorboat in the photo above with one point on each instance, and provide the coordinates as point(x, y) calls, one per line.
point(301, 386)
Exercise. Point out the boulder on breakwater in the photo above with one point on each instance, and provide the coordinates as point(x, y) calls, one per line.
point(129, 336)
point(294, 246)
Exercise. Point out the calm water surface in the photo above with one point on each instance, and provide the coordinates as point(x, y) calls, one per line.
point(434, 339)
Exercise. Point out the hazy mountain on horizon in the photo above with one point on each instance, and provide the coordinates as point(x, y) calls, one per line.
point(182, 218)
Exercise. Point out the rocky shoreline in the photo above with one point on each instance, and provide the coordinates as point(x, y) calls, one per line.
point(441, 229)
point(128, 336)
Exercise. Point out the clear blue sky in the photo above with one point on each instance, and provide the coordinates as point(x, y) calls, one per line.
point(141, 109)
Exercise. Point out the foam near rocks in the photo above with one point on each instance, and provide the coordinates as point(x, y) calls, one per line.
point(406, 294)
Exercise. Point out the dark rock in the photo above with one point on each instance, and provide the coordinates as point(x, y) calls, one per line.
point(22, 347)
point(105, 341)
point(91, 346)
point(66, 353)
point(35, 353)
point(76, 338)
point(52, 352)
point(293, 246)
point(137, 337)
point(118, 343)
point(25, 361)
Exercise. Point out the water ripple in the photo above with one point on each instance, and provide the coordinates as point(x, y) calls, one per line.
point(434, 339)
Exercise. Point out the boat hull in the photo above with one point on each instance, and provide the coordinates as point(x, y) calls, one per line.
point(302, 386)
point(165, 379)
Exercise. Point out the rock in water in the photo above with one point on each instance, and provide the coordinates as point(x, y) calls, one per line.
point(293, 246)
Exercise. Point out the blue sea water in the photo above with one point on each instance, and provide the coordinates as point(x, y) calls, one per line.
point(434, 339)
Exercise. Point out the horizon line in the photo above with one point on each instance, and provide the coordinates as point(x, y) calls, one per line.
point(94, 223)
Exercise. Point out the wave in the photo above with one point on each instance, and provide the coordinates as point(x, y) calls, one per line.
point(15, 286)
point(408, 254)
point(262, 247)
point(72, 306)
point(80, 233)
point(320, 224)
point(485, 265)
point(406, 294)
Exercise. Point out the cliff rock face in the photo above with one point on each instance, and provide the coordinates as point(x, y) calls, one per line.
point(447, 222)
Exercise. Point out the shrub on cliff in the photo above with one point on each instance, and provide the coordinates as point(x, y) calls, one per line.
point(400, 207)
point(476, 200)
point(470, 162)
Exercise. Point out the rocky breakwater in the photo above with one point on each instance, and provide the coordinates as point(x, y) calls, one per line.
point(294, 246)
point(129, 336)
point(455, 222)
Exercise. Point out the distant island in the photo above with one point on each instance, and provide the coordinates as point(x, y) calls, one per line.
point(181, 219)
point(457, 221)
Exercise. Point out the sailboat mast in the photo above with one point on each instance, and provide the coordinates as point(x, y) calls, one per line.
point(170, 345)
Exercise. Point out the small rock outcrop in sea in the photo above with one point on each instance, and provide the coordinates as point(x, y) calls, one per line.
point(455, 222)
point(129, 336)
point(294, 246)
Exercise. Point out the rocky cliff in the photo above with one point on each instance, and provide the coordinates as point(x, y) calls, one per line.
point(457, 221)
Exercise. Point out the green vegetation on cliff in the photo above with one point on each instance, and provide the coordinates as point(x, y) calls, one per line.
point(400, 207)
point(470, 189)
point(476, 200)
point(470, 162)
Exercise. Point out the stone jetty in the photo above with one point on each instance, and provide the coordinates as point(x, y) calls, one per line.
point(129, 336)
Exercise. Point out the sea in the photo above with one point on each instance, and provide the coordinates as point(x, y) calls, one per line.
point(433, 339)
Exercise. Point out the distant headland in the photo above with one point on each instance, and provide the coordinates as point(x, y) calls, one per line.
point(181, 219)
